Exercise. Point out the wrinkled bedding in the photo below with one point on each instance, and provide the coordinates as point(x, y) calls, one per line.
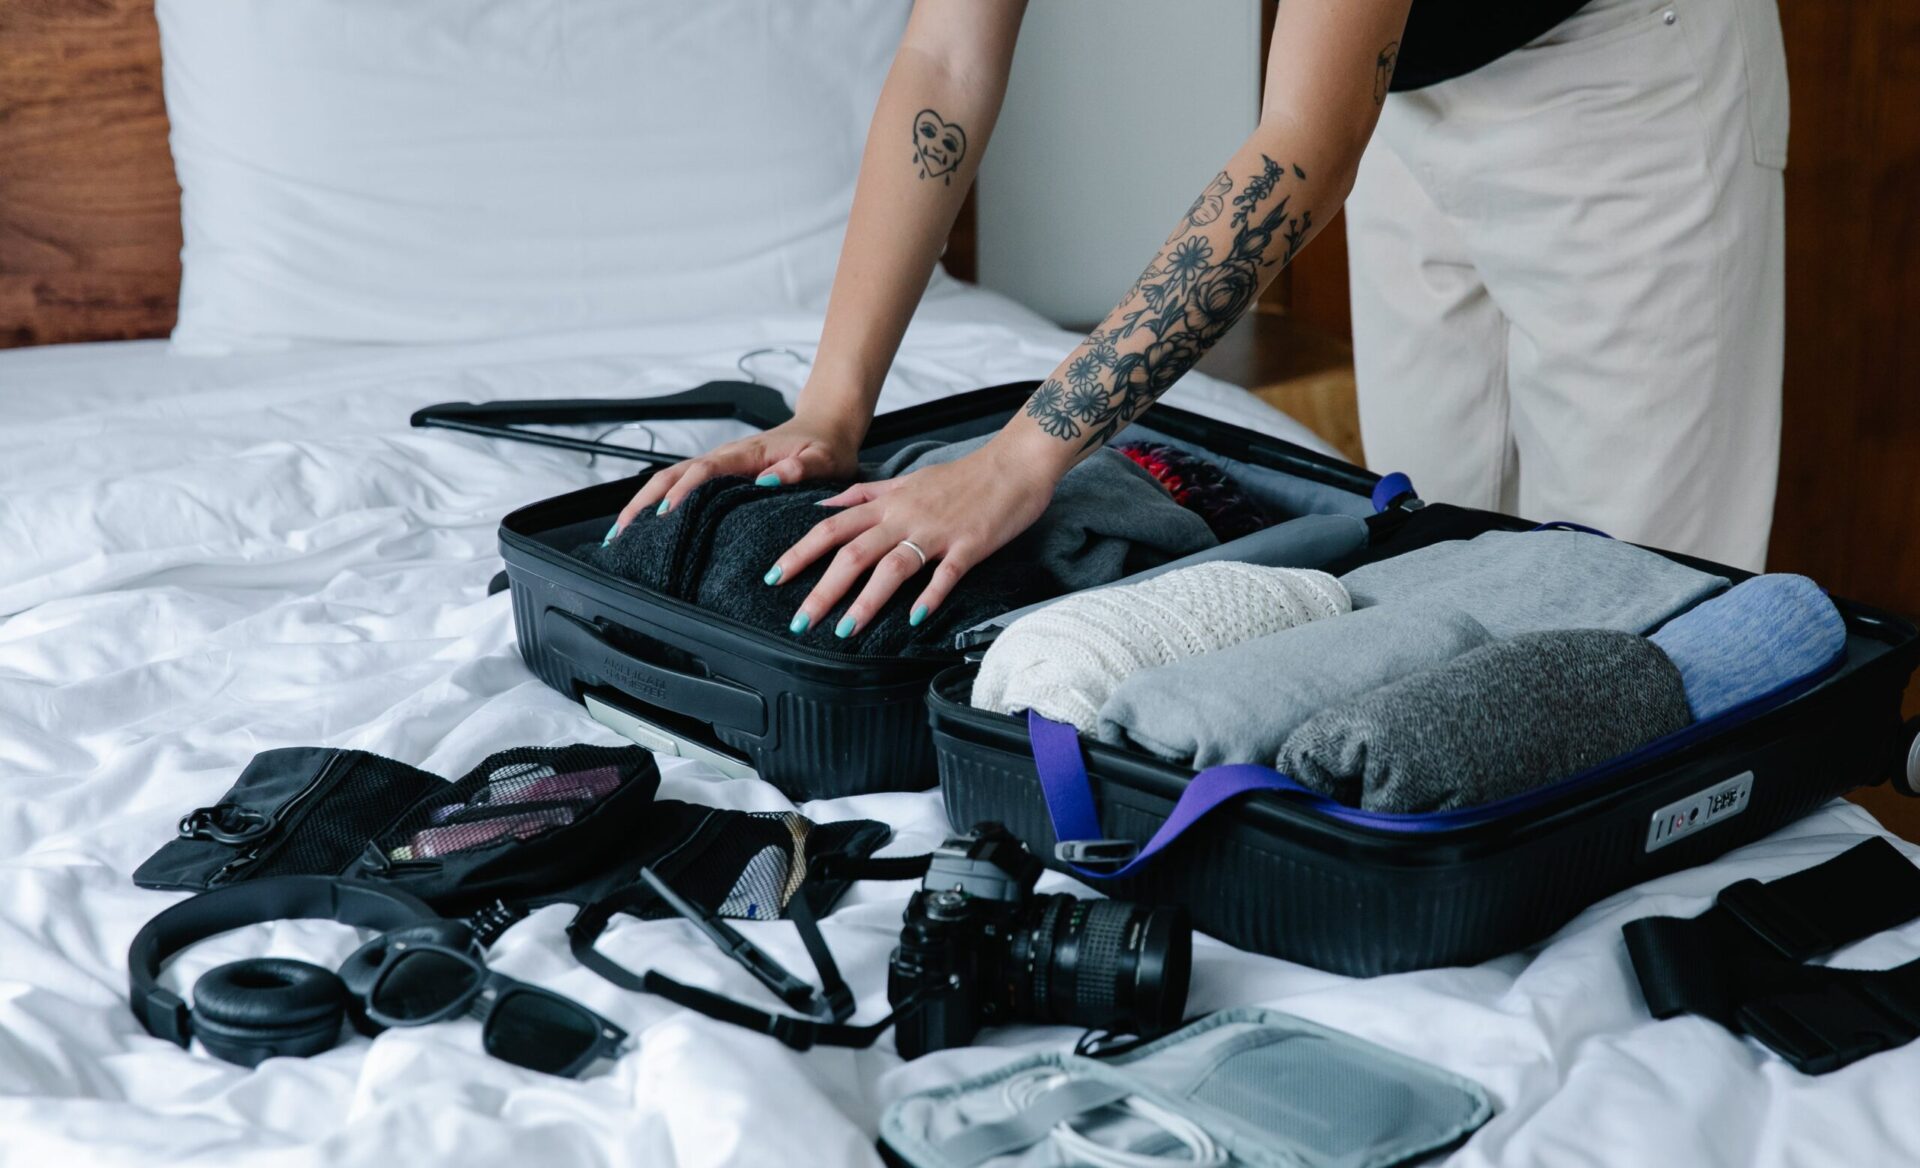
point(205, 558)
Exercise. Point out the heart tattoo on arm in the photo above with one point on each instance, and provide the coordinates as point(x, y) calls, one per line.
point(938, 145)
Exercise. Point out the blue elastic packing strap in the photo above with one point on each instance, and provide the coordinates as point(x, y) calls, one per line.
point(1069, 792)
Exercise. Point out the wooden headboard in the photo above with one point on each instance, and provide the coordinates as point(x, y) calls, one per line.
point(89, 210)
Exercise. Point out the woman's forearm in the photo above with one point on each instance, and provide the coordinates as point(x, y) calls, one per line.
point(1273, 195)
point(930, 127)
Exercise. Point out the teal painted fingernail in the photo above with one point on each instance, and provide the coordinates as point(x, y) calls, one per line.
point(772, 576)
point(611, 532)
point(919, 614)
point(662, 508)
point(799, 623)
point(844, 629)
point(767, 480)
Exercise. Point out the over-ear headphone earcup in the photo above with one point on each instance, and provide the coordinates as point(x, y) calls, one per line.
point(247, 1011)
point(358, 970)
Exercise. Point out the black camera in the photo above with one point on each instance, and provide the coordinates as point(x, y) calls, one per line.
point(980, 947)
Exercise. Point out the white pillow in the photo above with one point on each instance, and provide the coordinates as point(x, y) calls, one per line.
point(445, 170)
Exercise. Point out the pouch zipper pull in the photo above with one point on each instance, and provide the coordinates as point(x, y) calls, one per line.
point(266, 827)
point(231, 866)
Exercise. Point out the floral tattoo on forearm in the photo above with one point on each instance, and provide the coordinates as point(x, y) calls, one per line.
point(1185, 301)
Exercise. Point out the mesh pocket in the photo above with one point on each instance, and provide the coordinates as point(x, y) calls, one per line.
point(330, 832)
point(514, 795)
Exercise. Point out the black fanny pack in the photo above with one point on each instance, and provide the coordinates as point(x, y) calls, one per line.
point(529, 826)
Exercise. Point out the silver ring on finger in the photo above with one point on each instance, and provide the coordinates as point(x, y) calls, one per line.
point(916, 550)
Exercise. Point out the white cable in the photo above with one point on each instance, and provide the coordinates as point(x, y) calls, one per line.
point(1022, 1091)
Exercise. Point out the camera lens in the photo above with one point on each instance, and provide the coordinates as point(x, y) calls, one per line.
point(1100, 963)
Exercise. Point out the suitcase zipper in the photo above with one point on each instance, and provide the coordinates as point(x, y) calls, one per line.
point(278, 825)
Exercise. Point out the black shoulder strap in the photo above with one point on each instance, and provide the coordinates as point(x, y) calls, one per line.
point(833, 1004)
point(843, 866)
point(1742, 962)
point(1703, 965)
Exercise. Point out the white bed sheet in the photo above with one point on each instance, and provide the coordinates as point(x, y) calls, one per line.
point(205, 558)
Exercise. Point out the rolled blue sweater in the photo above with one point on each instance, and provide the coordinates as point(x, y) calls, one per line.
point(1751, 640)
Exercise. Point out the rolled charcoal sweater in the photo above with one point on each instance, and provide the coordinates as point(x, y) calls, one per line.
point(1065, 660)
point(1759, 636)
point(1239, 704)
point(748, 539)
point(1108, 517)
point(1531, 581)
point(1505, 718)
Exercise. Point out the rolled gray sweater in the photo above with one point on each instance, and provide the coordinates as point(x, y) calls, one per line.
point(1240, 704)
point(1503, 719)
point(1529, 581)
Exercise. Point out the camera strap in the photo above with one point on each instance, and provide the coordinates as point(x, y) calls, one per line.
point(824, 1012)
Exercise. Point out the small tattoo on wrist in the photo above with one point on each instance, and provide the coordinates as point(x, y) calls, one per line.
point(938, 145)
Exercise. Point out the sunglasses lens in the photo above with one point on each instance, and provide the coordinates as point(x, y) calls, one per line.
point(540, 1032)
point(422, 985)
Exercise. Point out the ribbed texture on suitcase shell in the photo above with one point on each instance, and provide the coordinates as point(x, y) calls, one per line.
point(529, 599)
point(826, 749)
point(814, 748)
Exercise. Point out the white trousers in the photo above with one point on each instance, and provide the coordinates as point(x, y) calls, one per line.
point(1567, 273)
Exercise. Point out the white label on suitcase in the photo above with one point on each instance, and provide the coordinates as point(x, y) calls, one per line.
point(1699, 811)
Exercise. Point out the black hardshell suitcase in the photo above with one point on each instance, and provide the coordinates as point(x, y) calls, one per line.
point(1356, 894)
point(816, 724)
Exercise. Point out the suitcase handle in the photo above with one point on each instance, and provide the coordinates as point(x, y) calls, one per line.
point(704, 699)
point(760, 406)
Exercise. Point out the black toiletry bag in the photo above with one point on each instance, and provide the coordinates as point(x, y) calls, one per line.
point(1299, 877)
point(317, 811)
point(815, 723)
point(527, 826)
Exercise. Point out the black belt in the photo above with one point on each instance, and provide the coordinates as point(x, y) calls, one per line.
point(1743, 962)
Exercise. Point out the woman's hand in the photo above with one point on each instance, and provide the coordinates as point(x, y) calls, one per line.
point(801, 448)
point(958, 513)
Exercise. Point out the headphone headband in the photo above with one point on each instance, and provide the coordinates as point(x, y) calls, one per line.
point(279, 898)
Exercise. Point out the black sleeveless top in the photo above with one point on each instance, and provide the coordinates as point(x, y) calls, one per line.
point(1446, 38)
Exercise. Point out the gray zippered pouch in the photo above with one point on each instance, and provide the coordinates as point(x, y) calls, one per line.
point(1268, 1090)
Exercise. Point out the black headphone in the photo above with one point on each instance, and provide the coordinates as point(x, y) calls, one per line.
point(251, 1010)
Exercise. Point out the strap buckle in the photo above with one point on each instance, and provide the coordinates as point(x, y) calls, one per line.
point(1096, 851)
point(791, 1032)
point(1774, 919)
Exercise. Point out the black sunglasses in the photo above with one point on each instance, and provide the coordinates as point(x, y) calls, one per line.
point(422, 983)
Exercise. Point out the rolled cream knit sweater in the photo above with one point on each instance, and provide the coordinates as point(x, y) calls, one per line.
point(1065, 660)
